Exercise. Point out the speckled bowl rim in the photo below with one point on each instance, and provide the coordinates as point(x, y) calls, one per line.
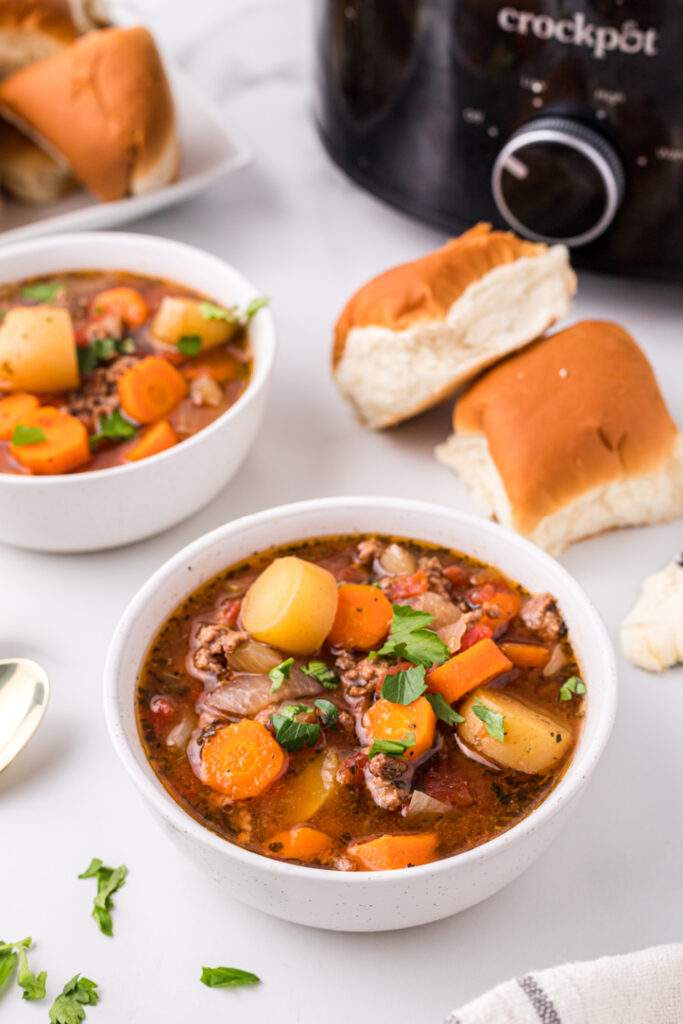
point(583, 763)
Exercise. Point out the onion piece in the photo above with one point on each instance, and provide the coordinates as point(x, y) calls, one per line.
point(421, 805)
point(253, 656)
point(180, 734)
point(443, 611)
point(468, 752)
point(555, 661)
point(397, 561)
point(249, 692)
point(453, 633)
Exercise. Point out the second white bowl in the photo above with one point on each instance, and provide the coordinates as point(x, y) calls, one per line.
point(108, 507)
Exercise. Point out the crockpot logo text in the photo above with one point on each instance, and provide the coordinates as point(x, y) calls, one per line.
point(577, 31)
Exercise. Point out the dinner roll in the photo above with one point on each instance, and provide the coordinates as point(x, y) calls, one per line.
point(33, 29)
point(110, 113)
point(569, 438)
point(27, 172)
point(411, 336)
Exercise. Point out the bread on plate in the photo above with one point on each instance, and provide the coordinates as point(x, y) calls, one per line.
point(410, 337)
point(569, 438)
point(27, 172)
point(33, 29)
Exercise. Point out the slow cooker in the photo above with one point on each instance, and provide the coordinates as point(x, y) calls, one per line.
point(562, 120)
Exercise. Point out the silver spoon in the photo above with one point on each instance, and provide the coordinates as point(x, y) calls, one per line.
point(24, 693)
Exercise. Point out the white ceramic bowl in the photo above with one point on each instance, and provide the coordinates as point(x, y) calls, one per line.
point(363, 901)
point(108, 507)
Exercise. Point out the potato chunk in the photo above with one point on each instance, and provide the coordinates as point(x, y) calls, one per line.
point(534, 742)
point(38, 349)
point(178, 317)
point(291, 605)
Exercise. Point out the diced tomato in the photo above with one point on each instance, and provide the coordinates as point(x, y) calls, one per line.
point(229, 613)
point(164, 711)
point(456, 574)
point(473, 634)
point(499, 605)
point(402, 587)
point(441, 782)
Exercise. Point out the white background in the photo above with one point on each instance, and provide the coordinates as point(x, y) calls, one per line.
point(613, 882)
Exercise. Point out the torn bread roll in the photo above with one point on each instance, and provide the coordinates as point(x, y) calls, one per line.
point(413, 335)
point(110, 113)
point(27, 172)
point(569, 438)
point(33, 29)
point(652, 633)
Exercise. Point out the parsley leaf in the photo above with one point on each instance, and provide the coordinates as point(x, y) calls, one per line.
point(27, 435)
point(210, 311)
point(8, 961)
point(42, 291)
point(227, 977)
point(329, 712)
point(101, 350)
point(320, 671)
point(254, 306)
point(108, 881)
point(113, 428)
point(404, 687)
point(443, 710)
point(68, 1007)
point(189, 344)
point(32, 984)
point(293, 735)
point(292, 710)
point(281, 672)
point(409, 639)
point(572, 686)
point(393, 747)
point(493, 720)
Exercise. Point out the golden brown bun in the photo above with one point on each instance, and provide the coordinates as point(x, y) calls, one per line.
point(423, 290)
point(570, 437)
point(110, 113)
point(33, 29)
point(417, 333)
point(27, 173)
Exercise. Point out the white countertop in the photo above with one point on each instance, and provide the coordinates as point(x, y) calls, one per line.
point(612, 882)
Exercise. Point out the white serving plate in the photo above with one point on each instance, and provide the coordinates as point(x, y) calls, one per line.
point(209, 153)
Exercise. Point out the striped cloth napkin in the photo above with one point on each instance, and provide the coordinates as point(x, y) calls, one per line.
point(639, 988)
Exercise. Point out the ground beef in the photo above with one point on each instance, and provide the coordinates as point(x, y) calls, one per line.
point(350, 771)
point(388, 780)
point(214, 644)
point(438, 583)
point(369, 550)
point(109, 325)
point(98, 395)
point(358, 678)
point(540, 614)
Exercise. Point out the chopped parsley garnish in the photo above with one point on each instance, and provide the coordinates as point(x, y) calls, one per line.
point(227, 977)
point(27, 435)
point(113, 428)
point(293, 735)
point(572, 686)
point(13, 954)
point(320, 671)
point(281, 672)
point(493, 720)
point(189, 344)
point(443, 710)
point(406, 686)
point(410, 639)
point(42, 291)
point(210, 311)
point(254, 306)
point(108, 881)
point(395, 748)
point(329, 712)
point(102, 350)
point(77, 993)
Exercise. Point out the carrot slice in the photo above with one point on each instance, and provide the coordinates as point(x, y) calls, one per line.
point(388, 721)
point(150, 389)
point(125, 302)
point(526, 655)
point(65, 446)
point(155, 439)
point(387, 853)
point(218, 364)
point(242, 760)
point(499, 606)
point(467, 669)
point(13, 410)
point(300, 843)
point(363, 617)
